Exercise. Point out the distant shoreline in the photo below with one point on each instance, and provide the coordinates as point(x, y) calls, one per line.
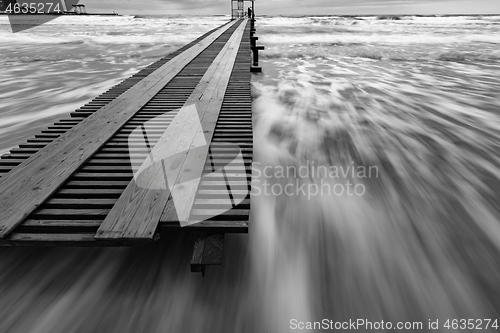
point(378, 15)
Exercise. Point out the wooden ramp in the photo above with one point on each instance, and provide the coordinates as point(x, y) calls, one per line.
point(168, 149)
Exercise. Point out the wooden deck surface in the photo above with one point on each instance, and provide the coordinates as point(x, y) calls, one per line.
point(77, 177)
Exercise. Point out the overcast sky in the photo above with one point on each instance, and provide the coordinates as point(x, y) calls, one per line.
point(276, 7)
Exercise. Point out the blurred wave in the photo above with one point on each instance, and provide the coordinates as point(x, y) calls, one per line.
point(423, 241)
point(121, 290)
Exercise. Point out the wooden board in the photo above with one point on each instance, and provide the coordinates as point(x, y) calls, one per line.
point(27, 186)
point(93, 188)
point(136, 214)
point(228, 137)
point(208, 250)
point(59, 239)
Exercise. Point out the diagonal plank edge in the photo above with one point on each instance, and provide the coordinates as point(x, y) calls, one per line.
point(135, 216)
point(28, 185)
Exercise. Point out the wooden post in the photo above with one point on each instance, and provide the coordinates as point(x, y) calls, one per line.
point(208, 250)
point(255, 51)
point(253, 41)
point(254, 68)
point(252, 20)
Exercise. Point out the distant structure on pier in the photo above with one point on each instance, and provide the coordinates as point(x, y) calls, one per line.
point(79, 9)
point(238, 9)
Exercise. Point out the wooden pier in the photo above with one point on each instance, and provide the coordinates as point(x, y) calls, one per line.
point(166, 150)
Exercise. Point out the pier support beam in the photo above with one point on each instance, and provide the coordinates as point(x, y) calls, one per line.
point(254, 68)
point(208, 250)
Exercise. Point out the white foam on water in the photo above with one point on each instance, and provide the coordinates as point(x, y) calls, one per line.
point(389, 253)
point(379, 39)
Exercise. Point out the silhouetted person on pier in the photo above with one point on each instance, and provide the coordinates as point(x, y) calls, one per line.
point(250, 12)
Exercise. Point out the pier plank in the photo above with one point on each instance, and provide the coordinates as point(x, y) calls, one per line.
point(32, 182)
point(136, 215)
point(73, 213)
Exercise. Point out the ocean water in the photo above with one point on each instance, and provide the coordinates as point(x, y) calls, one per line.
point(375, 192)
point(417, 100)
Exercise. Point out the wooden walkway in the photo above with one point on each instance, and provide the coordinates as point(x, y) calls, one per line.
point(168, 149)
